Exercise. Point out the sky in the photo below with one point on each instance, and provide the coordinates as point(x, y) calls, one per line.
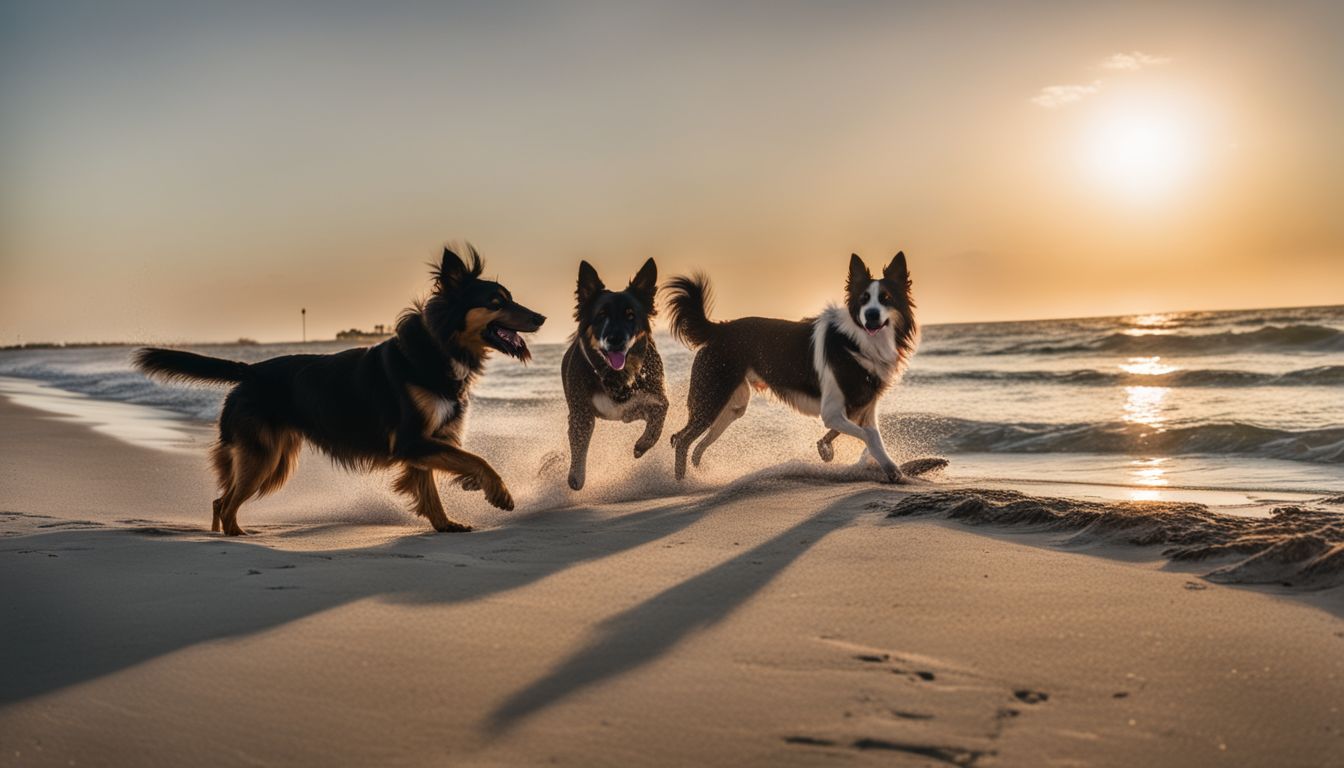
point(201, 171)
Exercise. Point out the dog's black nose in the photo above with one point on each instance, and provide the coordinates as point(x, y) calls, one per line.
point(538, 319)
point(872, 316)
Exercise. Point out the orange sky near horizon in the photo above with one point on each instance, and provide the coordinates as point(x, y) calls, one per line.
point(172, 173)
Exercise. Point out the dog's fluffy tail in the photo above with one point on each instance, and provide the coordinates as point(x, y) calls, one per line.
point(688, 303)
point(174, 365)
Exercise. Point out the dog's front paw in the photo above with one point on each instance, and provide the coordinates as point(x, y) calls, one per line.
point(450, 526)
point(825, 449)
point(499, 496)
point(892, 473)
point(643, 446)
point(576, 482)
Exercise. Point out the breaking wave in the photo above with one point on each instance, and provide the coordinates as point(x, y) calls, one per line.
point(1288, 338)
point(945, 434)
point(1319, 376)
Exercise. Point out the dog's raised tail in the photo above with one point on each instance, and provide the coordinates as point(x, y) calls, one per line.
point(688, 303)
point(174, 365)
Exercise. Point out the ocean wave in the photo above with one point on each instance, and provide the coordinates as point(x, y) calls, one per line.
point(1296, 546)
point(1288, 338)
point(948, 434)
point(1324, 375)
point(194, 402)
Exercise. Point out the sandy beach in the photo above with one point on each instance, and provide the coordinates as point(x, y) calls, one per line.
point(775, 621)
point(876, 383)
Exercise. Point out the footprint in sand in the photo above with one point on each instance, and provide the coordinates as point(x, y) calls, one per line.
point(1028, 696)
point(882, 658)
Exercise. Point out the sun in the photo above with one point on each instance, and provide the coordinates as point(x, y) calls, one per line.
point(1144, 152)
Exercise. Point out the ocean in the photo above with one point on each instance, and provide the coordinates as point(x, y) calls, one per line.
point(1239, 409)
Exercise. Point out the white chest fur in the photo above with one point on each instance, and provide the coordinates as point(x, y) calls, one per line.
point(436, 410)
point(613, 411)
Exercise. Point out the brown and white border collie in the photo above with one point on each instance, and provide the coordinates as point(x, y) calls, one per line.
point(835, 365)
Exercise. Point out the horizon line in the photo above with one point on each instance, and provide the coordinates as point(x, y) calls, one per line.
point(244, 340)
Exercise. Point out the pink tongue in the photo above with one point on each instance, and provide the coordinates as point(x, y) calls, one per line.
point(617, 359)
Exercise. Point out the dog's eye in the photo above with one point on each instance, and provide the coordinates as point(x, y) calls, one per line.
point(885, 298)
point(496, 303)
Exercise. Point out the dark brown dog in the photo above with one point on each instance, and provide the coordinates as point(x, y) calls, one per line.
point(612, 369)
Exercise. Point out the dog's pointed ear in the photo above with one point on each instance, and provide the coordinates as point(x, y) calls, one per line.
point(897, 272)
point(645, 284)
point(589, 283)
point(453, 271)
point(859, 276)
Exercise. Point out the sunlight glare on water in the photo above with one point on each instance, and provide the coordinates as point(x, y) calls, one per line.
point(1144, 405)
point(1149, 472)
point(1147, 366)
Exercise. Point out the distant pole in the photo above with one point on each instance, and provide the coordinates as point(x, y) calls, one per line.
point(303, 313)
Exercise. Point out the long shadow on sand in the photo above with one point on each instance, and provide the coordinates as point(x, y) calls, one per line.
point(645, 632)
point(154, 591)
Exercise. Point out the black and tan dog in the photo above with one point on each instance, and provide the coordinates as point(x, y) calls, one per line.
point(612, 369)
point(835, 365)
point(399, 404)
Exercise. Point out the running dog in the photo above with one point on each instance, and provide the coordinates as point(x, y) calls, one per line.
point(835, 365)
point(401, 403)
point(612, 369)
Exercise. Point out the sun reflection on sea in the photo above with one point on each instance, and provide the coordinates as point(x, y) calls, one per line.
point(1147, 366)
point(1143, 405)
point(1151, 319)
point(1150, 475)
point(1149, 471)
point(1148, 325)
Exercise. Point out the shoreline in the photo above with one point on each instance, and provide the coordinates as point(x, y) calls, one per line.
point(158, 428)
point(772, 621)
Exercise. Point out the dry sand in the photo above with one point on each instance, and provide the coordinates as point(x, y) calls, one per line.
point(776, 621)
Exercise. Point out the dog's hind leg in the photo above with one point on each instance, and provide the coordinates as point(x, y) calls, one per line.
point(221, 458)
point(737, 405)
point(419, 485)
point(824, 447)
point(286, 448)
point(255, 464)
point(713, 383)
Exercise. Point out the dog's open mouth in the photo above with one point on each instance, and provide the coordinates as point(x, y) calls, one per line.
point(614, 358)
point(872, 331)
point(507, 340)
